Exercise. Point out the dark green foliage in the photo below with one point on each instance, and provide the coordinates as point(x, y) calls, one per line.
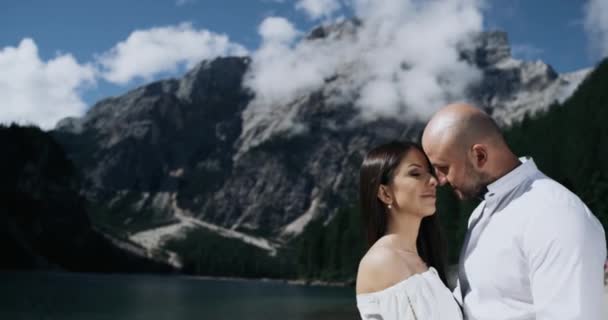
point(569, 142)
point(454, 216)
point(122, 220)
point(206, 253)
point(331, 252)
point(43, 219)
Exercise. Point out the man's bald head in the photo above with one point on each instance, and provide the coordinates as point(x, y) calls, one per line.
point(466, 148)
point(460, 126)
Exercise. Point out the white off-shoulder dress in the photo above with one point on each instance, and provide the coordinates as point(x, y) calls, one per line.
point(422, 296)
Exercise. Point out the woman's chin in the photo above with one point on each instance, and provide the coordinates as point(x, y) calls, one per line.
point(429, 211)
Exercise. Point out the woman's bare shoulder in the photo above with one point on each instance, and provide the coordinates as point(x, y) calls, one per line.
point(381, 268)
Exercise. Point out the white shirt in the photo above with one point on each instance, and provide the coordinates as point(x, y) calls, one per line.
point(535, 251)
point(420, 297)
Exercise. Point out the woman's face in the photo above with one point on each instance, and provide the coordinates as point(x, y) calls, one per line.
point(413, 188)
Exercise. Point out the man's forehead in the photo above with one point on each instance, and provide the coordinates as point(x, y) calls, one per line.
point(437, 130)
point(439, 151)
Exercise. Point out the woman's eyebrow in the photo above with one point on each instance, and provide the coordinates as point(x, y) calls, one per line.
point(415, 165)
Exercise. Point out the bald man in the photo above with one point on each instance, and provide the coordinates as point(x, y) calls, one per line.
point(533, 250)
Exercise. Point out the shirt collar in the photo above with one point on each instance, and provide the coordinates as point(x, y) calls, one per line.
point(509, 181)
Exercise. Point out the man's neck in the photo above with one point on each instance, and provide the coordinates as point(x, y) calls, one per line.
point(509, 164)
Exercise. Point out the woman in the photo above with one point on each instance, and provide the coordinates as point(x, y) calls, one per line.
point(402, 275)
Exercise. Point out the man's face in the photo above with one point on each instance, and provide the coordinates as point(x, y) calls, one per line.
point(453, 167)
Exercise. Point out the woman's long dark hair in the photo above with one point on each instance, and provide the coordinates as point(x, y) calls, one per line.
point(379, 167)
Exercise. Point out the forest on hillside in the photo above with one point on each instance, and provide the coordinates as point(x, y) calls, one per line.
point(568, 142)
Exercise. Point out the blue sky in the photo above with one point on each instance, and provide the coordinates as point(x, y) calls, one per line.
point(552, 31)
point(84, 28)
point(87, 28)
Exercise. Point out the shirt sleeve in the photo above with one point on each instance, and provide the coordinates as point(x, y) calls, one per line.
point(565, 248)
point(457, 293)
point(386, 308)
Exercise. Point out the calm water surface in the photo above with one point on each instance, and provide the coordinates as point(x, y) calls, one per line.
point(48, 295)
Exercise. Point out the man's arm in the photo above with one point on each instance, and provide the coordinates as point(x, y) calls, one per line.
point(565, 250)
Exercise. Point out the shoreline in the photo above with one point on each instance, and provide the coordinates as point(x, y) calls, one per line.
point(295, 282)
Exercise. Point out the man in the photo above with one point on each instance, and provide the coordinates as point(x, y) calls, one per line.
point(533, 250)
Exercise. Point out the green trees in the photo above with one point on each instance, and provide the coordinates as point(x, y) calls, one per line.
point(569, 142)
point(205, 253)
point(331, 252)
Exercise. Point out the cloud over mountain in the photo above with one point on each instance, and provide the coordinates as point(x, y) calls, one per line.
point(596, 25)
point(150, 52)
point(403, 53)
point(41, 92)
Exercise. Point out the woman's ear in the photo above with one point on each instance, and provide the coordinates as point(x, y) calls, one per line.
point(384, 195)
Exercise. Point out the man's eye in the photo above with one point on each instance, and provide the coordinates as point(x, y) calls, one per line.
point(441, 169)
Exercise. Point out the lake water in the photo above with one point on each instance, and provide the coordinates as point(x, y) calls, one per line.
point(49, 295)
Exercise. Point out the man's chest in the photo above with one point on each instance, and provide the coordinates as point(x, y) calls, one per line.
point(495, 263)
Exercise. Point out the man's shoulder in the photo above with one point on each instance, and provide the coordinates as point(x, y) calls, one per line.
point(550, 193)
point(554, 207)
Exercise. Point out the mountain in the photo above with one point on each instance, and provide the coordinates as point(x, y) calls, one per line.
point(511, 88)
point(189, 155)
point(574, 154)
point(43, 221)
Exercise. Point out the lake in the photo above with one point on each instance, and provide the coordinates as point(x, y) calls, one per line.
point(55, 295)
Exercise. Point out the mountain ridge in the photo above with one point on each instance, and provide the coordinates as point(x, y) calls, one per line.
point(188, 145)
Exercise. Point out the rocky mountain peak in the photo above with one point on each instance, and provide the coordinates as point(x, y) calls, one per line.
point(186, 151)
point(335, 31)
point(489, 48)
point(219, 73)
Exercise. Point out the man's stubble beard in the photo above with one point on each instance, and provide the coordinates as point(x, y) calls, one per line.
point(477, 186)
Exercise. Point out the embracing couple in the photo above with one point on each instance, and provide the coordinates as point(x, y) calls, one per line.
point(533, 250)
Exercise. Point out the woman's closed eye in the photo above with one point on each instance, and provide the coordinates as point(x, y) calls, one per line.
point(415, 173)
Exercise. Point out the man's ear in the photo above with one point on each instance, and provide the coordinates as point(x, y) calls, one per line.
point(479, 153)
point(384, 195)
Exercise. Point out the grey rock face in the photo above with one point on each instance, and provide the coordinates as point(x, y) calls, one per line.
point(488, 48)
point(349, 26)
point(185, 137)
point(150, 139)
point(511, 88)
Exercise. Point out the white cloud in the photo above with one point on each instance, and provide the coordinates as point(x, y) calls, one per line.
point(277, 30)
point(403, 61)
point(147, 53)
point(596, 25)
point(316, 9)
point(38, 92)
point(43, 92)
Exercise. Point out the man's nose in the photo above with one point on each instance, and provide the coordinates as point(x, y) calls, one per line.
point(441, 179)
